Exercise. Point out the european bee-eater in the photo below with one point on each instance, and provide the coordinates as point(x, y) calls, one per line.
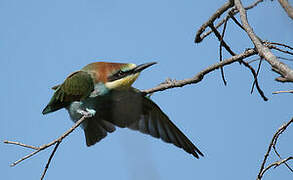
point(104, 90)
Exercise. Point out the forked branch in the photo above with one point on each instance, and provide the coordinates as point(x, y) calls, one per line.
point(263, 169)
point(45, 146)
point(285, 71)
point(201, 34)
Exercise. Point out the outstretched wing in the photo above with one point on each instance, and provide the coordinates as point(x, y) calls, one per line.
point(132, 110)
point(156, 123)
point(76, 87)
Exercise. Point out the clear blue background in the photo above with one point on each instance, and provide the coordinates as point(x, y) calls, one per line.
point(41, 42)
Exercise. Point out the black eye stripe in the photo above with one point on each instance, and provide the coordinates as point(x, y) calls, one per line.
point(119, 75)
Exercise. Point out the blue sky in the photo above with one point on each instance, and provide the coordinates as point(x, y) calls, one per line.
point(43, 41)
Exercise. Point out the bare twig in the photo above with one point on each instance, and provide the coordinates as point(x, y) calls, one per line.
point(199, 76)
point(281, 50)
point(221, 53)
point(257, 72)
point(225, 45)
point(276, 135)
point(253, 60)
point(278, 92)
point(255, 81)
point(49, 160)
point(285, 71)
point(25, 157)
point(216, 15)
point(21, 144)
point(286, 6)
point(280, 44)
point(275, 149)
point(274, 164)
point(45, 146)
point(233, 12)
point(235, 20)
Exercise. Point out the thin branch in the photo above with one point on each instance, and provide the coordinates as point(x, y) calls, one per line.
point(49, 160)
point(278, 92)
point(21, 144)
point(255, 81)
point(225, 45)
point(281, 44)
point(233, 12)
point(274, 164)
point(221, 53)
point(216, 15)
point(286, 164)
point(286, 6)
point(276, 135)
point(199, 76)
point(253, 60)
point(285, 71)
point(24, 158)
point(235, 20)
point(275, 149)
point(257, 72)
point(45, 146)
point(281, 50)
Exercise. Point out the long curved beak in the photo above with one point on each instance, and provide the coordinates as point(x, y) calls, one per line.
point(141, 67)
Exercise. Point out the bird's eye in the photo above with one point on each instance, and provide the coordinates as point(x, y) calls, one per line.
point(120, 73)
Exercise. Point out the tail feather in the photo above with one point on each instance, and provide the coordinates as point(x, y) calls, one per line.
point(96, 130)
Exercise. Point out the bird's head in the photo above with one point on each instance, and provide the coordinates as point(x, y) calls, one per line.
point(115, 75)
point(125, 75)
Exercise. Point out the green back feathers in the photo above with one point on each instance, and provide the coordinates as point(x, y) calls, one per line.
point(76, 87)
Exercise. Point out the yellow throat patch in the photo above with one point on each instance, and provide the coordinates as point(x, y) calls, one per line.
point(123, 83)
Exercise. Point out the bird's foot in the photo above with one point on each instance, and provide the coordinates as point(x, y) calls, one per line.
point(87, 112)
point(91, 111)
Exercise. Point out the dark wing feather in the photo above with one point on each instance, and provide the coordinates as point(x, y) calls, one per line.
point(132, 110)
point(157, 124)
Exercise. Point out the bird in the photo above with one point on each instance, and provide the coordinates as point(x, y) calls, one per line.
point(104, 90)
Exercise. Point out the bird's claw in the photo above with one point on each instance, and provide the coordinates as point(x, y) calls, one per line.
point(87, 112)
point(91, 111)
